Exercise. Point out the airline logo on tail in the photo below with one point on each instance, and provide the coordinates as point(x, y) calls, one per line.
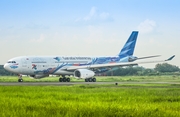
point(129, 46)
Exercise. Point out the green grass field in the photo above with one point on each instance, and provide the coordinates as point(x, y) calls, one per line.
point(123, 100)
point(170, 78)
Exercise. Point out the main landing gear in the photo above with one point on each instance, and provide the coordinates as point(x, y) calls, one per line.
point(90, 80)
point(64, 79)
point(20, 78)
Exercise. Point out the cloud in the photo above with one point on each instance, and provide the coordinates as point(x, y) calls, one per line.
point(147, 26)
point(95, 15)
point(104, 15)
point(92, 13)
point(40, 39)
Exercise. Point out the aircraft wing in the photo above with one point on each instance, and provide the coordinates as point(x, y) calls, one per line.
point(109, 65)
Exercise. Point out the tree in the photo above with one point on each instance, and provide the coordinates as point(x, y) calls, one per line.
point(126, 71)
point(3, 72)
point(165, 67)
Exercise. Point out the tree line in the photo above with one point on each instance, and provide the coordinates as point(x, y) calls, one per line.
point(160, 69)
point(4, 72)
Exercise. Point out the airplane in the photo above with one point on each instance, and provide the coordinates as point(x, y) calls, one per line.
point(80, 67)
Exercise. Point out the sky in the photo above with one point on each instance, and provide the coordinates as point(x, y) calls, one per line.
point(89, 28)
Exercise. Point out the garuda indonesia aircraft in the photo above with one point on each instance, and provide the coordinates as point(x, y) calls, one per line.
point(80, 67)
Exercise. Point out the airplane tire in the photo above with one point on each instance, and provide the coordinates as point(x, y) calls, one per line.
point(86, 80)
point(68, 79)
point(64, 79)
point(60, 80)
point(94, 79)
point(20, 80)
point(90, 79)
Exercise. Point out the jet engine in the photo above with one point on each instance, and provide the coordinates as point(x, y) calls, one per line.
point(83, 73)
point(39, 76)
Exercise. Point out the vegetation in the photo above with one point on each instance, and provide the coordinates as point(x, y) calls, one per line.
point(142, 99)
point(160, 69)
point(150, 100)
point(165, 67)
point(164, 78)
point(3, 72)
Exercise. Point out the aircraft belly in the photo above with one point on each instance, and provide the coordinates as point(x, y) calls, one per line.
point(27, 72)
point(63, 72)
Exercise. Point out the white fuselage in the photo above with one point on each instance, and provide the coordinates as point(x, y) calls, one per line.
point(35, 65)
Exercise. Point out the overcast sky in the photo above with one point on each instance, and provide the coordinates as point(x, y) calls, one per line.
point(89, 27)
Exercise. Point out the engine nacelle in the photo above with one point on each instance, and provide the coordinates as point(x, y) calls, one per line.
point(83, 73)
point(39, 76)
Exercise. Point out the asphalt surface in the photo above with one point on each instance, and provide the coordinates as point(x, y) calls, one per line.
point(75, 83)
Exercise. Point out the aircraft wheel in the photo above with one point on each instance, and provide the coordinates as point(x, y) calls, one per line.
point(60, 80)
point(86, 80)
point(94, 79)
point(64, 79)
point(90, 79)
point(68, 79)
point(20, 80)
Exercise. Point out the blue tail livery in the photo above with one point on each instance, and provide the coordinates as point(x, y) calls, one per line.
point(129, 46)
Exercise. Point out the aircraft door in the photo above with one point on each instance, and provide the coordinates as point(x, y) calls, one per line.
point(25, 66)
point(24, 62)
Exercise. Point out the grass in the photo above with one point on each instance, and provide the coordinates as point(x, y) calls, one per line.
point(171, 78)
point(123, 100)
point(90, 100)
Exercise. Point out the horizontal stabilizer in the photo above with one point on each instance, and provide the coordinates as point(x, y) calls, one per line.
point(149, 57)
point(170, 58)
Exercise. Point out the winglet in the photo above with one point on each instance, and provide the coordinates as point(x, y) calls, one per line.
point(170, 58)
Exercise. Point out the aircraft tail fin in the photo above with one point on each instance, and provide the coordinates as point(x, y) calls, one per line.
point(129, 46)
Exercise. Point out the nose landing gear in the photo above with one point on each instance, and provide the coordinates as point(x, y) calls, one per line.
point(20, 78)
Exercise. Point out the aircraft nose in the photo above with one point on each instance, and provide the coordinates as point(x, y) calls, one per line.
point(6, 66)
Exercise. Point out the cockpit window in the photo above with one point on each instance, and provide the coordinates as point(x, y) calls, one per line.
point(11, 61)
